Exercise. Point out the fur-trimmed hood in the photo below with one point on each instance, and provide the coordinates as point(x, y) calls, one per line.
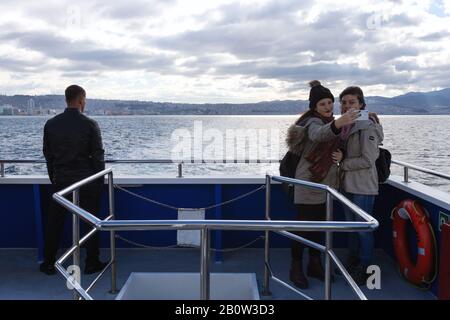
point(295, 138)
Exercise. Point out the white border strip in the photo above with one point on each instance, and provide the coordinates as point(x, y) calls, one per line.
point(433, 195)
point(141, 180)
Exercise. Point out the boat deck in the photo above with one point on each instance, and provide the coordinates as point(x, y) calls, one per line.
point(20, 278)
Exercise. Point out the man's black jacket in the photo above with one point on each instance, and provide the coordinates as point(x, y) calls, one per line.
point(72, 147)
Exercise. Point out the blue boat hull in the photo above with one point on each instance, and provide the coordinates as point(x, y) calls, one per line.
point(25, 205)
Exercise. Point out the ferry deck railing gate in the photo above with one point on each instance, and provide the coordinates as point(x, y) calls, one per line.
point(368, 224)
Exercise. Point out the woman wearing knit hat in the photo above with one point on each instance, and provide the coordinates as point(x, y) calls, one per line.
point(360, 178)
point(320, 136)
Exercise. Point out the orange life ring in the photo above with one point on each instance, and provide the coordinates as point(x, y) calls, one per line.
point(420, 272)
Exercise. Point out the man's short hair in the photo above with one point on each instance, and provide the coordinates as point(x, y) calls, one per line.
point(73, 92)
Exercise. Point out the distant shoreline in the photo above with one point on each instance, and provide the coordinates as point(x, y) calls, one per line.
point(412, 103)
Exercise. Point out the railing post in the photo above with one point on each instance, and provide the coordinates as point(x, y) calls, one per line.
point(405, 174)
point(266, 289)
point(180, 170)
point(204, 265)
point(76, 238)
point(329, 248)
point(2, 170)
point(112, 237)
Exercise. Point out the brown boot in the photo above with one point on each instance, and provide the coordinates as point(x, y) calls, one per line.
point(315, 269)
point(297, 276)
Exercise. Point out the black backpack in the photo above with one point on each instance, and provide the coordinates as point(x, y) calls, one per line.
point(288, 166)
point(383, 165)
point(289, 163)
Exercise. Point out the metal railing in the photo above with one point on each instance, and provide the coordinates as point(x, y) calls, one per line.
point(179, 162)
point(406, 166)
point(370, 223)
point(77, 243)
point(205, 226)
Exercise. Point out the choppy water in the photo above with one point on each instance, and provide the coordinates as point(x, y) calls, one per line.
point(421, 140)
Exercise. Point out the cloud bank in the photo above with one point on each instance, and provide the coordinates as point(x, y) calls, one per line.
point(223, 51)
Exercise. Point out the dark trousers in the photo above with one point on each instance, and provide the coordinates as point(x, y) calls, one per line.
point(89, 201)
point(308, 212)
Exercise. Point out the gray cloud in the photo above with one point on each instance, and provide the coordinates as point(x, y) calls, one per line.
point(267, 41)
point(256, 39)
point(136, 9)
point(258, 85)
point(436, 36)
point(303, 73)
point(20, 65)
point(86, 52)
point(387, 52)
point(403, 20)
point(405, 66)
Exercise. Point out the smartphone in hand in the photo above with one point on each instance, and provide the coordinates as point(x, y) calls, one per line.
point(363, 115)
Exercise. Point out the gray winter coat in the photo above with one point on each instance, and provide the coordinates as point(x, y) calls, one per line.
point(362, 150)
point(313, 132)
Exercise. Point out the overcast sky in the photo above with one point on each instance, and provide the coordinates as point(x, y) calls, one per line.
point(223, 51)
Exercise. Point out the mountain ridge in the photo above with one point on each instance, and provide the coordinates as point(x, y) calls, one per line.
point(426, 103)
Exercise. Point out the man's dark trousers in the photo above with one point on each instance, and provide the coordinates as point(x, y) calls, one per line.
point(89, 201)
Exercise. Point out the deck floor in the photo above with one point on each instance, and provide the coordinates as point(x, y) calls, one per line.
point(20, 278)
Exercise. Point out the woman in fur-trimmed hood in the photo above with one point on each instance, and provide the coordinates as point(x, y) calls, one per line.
point(316, 138)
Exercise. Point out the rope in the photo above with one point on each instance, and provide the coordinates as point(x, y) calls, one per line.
point(152, 247)
point(140, 245)
point(239, 248)
point(436, 259)
point(236, 199)
point(146, 199)
point(176, 209)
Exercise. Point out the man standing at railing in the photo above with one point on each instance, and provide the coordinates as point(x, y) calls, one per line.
point(73, 150)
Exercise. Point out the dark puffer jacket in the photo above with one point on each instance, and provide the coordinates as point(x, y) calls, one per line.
point(72, 147)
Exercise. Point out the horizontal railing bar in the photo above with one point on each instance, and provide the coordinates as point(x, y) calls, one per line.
point(338, 196)
point(81, 183)
point(302, 240)
point(253, 225)
point(422, 169)
point(297, 182)
point(347, 276)
point(194, 161)
point(130, 224)
point(158, 161)
point(169, 161)
point(23, 161)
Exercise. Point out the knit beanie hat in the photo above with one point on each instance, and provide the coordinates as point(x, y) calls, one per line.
point(317, 93)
